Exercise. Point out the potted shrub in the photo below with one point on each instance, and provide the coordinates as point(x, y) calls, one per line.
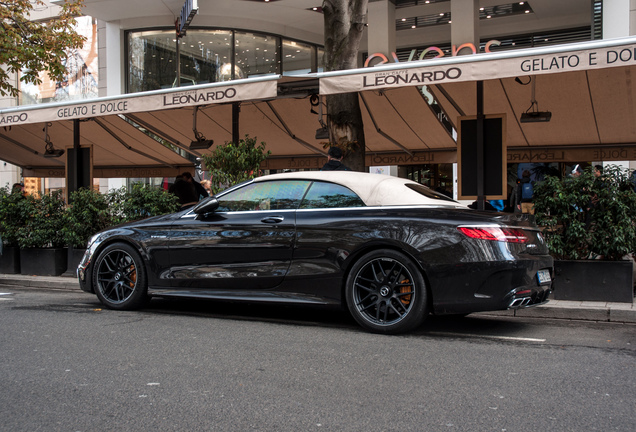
point(588, 224)
point(140, 202)
point(232, 163)
point(12, 217)
point(41, 238)
point(87, 213)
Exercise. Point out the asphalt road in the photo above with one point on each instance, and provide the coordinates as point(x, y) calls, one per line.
point(69, 365)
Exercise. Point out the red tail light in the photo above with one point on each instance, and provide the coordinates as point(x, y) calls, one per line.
point(511, 235)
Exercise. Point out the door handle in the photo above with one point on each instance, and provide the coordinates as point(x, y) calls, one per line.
point(273, 219)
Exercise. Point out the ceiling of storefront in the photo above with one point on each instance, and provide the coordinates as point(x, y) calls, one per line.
point(295, 19)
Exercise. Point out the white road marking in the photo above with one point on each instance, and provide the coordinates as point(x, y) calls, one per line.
point(511, 338)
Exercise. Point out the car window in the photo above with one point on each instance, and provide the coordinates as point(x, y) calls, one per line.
point(330, 195)
point(272, 195)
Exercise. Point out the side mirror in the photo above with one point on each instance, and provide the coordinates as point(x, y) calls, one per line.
point(207, 205)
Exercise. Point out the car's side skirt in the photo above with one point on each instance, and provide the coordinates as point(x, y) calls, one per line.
point(246, 296)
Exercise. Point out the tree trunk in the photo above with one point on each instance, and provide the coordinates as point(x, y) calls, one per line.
point(344, 24)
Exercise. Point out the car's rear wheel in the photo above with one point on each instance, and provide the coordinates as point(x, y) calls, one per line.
point(386, 292)
point(119, 278)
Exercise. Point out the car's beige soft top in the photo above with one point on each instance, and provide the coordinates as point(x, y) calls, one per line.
point(373, 189)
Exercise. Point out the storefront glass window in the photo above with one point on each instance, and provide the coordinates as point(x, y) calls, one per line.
point(298, 58)
point(205, 56)
point(152, 60)
point(255, 55)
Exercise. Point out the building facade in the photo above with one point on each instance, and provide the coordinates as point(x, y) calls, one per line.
point(134, 46)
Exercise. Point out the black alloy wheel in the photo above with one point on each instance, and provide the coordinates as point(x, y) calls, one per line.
point(386, 293)
point(119, 278)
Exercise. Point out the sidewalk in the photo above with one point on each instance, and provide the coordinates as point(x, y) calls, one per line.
point(555, 309)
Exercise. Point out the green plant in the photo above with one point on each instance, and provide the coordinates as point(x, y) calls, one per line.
point(231, 163)
point(43, 218)
point(12, 216)
point(34, 46)
point(588, 216)
point(87, 214)
point(34, 222)
point(140, 202)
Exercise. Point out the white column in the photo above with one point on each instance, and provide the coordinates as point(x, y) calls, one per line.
point(381, 32)
point(465, 23)
point(632, 17)
point(616, 17)
point(111, 51)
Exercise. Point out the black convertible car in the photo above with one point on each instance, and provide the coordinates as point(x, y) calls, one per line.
point(388, 249)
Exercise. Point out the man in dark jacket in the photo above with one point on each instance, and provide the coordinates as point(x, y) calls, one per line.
point(334, 158)
point(200, 190)
point(185, 191)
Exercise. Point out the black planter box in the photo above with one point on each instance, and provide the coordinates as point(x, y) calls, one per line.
point(594, 280)
point(10, 260)
point(74, 257)
point(43, 262)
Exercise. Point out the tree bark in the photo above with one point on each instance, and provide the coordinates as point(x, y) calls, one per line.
point(344, 25)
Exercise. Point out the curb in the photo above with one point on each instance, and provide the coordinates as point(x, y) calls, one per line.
point(555, 309)
point(575, 310)
point(44, 282)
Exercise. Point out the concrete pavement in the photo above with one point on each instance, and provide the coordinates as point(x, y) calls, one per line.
point(555, 309)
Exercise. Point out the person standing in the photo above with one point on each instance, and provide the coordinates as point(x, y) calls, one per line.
point(334, 161)
point(521, 196)
point(526, 192)
point(18, 188)
point(207, 185)
point(185, 191)
point(200, 190)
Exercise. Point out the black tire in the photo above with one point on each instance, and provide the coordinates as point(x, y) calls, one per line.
point(386, 293)
point(119, 278)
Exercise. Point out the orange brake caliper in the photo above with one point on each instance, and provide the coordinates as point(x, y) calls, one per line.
point(404, 289)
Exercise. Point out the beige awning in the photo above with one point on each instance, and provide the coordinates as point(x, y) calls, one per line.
point(402, 120)
point(119, 149)
point(399, 125)
point(593, 107)
point(123, 146)
point(588, 88)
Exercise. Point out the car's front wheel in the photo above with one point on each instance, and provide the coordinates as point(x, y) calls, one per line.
point(119, 277)
point(386, 292)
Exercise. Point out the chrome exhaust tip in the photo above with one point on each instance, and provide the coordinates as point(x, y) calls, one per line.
point(520, 302)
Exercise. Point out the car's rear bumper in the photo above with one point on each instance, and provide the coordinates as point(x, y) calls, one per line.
point(478, 287)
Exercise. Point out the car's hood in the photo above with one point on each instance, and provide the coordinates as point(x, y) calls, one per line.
point(167, 218)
